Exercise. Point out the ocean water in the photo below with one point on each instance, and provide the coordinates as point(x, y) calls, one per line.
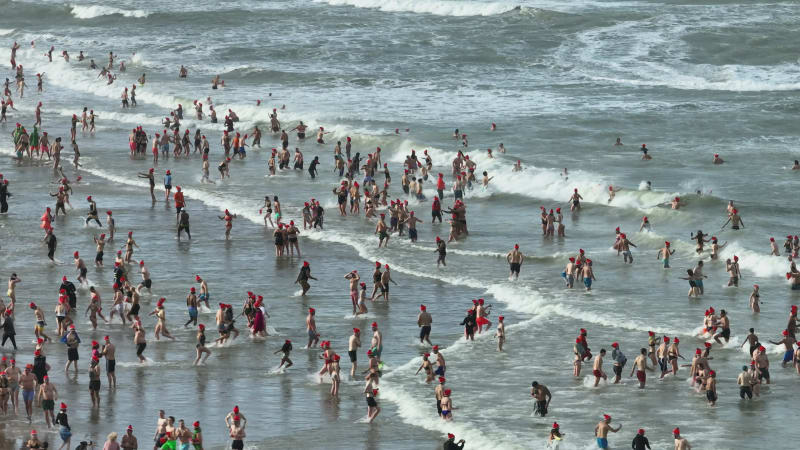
point(562, 80)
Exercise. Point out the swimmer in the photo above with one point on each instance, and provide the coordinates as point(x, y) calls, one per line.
point(542, 396)
point(644, 151)
point(286, 349)
point(664, 254)
point(602, 429)
point(640, 366)
point(228, 219)
point(597, 367)
point(755, 303)
point(515, 259)
point(304, 276)
point(624, 248)
point(735, 220)
point(575, 199)
point(500, 333)
point(732, 267)
point(612, 192)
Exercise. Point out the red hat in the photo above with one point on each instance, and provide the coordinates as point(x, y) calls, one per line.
point(236, 409)
point(377, 264)
point(37, 353)
point(305, 263)
point(95, 344)
point(678, 430)
point(436, 347)
point(555, 425)
point(606, 417)
point(708, 344)
point(422, 307)
point(761, 348)
point(516, 246)
point(500, 318)
point(63, 406)
point(106, 338)
point(735, 258)
point(772, 239)
point(369, 352)
point(192, 289)
point(666, 338)
point(697, 351)
point(374, 324)
point(442, 379)
point(336, 357)
point(32, 305)
point(356, 330)
point(666, 243)
point(615, 345)
point(197, 277)
point(785, 332)
point(676, 340)
point(311, 310)
point(76, 254)
point(201, 326)
point(447, 392)
point(451, 436)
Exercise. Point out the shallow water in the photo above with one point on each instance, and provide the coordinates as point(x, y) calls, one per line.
point(561, 80)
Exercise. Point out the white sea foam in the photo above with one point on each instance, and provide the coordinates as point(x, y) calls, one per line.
point(92, 11)
point(435, 7)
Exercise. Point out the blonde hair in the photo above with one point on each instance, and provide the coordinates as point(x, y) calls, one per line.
point(112, 436)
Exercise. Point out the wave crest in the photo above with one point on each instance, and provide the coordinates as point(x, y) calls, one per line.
point(457, 8)
point(93, 11)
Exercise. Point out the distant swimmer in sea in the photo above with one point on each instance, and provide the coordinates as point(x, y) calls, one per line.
point(619, 142)
point(717, 159)
point(644, 151)
point(612, 192)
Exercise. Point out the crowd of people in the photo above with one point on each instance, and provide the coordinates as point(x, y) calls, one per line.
point(352, 196)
